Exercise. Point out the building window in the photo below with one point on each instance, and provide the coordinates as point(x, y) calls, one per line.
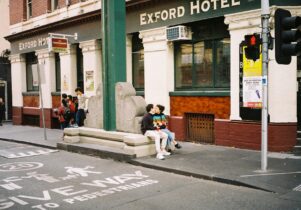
point(138, 62)
point(80, 67)
point(29, 8)
point(57, 72)
point(203, 62)
point(31, 59)
point(54, 4)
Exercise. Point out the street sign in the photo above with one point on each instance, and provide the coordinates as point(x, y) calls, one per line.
point(57, 45)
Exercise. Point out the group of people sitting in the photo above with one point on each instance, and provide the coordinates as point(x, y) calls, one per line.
point(154, 125)
point(72, 112)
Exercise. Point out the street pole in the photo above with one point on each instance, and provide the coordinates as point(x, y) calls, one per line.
point(265, 15)
point(42, 105)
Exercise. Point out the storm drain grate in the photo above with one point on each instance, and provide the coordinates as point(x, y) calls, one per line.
point(200, 127)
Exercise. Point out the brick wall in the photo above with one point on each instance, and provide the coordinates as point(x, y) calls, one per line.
point(219, 106)
point(39, 7)
point(247, 135)
point(31, 101)
point(17, 11)
point(17, 8)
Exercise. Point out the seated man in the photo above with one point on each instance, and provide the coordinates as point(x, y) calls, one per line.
point(148, 129)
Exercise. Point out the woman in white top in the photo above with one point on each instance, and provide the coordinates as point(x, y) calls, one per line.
point(80, 114)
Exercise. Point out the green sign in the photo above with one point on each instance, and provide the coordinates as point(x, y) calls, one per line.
point(171, 13)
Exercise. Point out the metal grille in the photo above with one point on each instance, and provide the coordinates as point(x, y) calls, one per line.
point(200, 127)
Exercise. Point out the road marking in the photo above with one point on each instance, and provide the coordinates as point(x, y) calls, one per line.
point(298, 188)
point(273, 174)
point(28, 153)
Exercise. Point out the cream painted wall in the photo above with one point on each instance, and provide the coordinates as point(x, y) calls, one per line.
point(92, 62)
point(68, 71)
point(48, 82)
point(18, 71)
point(4, 29)
point(129, 65)
point(158, 67)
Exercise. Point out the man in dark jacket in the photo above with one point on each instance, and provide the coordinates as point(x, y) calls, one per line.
point(2, 110)
point(148, 129)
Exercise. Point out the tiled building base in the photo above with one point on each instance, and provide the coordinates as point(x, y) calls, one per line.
point(247, 135)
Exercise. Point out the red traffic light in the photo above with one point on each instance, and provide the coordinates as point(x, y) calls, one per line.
point(253, 40)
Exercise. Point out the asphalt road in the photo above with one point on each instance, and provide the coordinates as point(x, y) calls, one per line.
point(62, 180)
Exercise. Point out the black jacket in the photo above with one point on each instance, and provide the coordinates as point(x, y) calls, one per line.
point(147, 123)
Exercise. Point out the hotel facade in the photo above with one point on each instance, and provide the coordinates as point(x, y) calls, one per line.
point(197, 77)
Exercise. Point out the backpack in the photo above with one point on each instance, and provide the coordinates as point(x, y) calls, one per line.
point(67, 114)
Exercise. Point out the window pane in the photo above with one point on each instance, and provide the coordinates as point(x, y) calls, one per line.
point(57, 72)
point(222, 74)
point(80, 67)
point(54, 4)
point(138, 69)
point(31, 59)
point(29, 8)
point(203, 64)
point(184, 66)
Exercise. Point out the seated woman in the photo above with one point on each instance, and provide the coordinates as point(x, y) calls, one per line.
point(160, 122)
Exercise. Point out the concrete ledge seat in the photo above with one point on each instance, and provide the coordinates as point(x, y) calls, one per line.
point(132, 144)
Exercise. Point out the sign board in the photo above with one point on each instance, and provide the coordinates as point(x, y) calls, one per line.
point(57, 45)
point(35, 76)
point(252, 82)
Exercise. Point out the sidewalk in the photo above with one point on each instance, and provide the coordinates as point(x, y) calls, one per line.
point(221, 164)
point(30, 135)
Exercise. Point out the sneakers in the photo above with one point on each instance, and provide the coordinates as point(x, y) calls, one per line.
point(178, 146)
point(164, 152)
point(160, 156)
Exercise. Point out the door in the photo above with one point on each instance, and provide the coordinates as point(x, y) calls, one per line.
point(3, 95)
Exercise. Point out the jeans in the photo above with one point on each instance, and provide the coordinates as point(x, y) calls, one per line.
point(80, 117)
point(169, 134)
point(156, 135)
point(64, 125)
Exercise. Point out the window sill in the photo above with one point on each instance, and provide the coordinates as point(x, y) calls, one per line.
point(56, 93)
point(201, 93)
point(33, 93)
point(140, 93)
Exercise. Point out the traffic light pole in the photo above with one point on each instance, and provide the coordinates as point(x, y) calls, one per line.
point(265, 15)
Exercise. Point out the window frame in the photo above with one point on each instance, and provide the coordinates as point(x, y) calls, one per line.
point(194, 86)
point(57, 61)
point(29, 62)
point(138, 49)
point(28, 9)
point(54, 5)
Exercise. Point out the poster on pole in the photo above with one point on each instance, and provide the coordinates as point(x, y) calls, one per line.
point(252, 82)
point(35, 77)
point(90, 80)
point(252, 92)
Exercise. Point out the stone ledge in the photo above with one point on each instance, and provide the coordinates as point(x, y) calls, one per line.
point(128, 143)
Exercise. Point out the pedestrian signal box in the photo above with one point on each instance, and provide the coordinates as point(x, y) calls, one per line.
point(252, 49)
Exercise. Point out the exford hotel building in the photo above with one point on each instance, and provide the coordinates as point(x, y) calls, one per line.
point(197, 77)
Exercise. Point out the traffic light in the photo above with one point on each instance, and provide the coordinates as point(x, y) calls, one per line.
point(287, 36)
point(252, 51)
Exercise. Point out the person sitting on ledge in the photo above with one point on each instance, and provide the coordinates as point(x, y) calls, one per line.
point(148, 129)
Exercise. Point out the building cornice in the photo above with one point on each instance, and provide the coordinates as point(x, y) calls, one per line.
point(252, 19)
point(91, 45)
point(87, 17)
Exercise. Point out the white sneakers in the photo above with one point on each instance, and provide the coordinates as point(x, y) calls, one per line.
point(160, 155)
point(164, 152)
